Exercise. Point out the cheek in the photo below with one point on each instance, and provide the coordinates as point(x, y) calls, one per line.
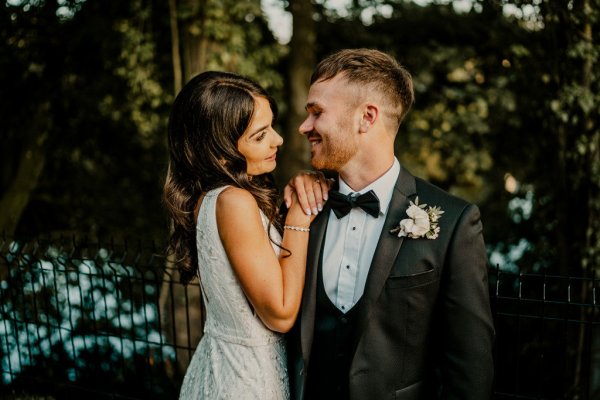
point(255, 160)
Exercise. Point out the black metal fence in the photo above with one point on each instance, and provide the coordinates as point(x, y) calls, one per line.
point(106, 320)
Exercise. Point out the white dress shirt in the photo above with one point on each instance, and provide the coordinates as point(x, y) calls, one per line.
point(350, 243)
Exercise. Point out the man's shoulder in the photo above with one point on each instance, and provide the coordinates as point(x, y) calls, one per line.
point(433, 195)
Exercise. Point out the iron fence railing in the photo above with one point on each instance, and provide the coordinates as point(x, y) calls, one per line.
point(111, 320)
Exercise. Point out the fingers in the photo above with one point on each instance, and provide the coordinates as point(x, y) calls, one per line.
point(320, 189)
point(288, 192)
point(290, 188)
point(318, 195)
point(324, 185)
point(295, 209)
point(305, 193)
point(311, 189)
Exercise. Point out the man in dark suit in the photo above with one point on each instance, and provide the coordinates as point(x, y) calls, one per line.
point(395, 302)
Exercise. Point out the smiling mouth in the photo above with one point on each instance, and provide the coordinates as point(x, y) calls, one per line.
point(314, 140)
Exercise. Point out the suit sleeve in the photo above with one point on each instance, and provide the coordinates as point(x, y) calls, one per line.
point(467, 331)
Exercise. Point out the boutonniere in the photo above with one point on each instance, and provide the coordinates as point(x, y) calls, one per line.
point(422, 221)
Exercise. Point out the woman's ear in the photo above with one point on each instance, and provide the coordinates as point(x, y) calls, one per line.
point(369, 117)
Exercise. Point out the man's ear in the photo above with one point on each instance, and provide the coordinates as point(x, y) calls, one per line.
point(369, 117)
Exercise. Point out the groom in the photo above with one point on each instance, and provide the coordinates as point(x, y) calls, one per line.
point(402, 315)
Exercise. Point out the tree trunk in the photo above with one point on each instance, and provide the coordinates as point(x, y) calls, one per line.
point(182, 317)
point(175, 51)
point(296, 150)
point(195, 41)
point(591, 253)
point(30, 167)
point(180, 307)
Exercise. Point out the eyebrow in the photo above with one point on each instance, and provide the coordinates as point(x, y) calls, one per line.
point(257, 131)
point(312, 105)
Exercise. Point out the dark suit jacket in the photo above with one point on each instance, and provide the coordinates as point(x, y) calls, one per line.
point(425, 329)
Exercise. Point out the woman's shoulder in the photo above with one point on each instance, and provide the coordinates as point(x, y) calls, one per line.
point(237, 213)
point(235, 199)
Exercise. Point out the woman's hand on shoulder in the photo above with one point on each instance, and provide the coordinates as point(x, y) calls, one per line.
point(311, 188)
point(296, 214)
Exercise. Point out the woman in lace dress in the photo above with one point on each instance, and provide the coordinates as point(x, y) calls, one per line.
point(223, 204)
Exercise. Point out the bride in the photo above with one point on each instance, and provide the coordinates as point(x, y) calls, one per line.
point(222, 201)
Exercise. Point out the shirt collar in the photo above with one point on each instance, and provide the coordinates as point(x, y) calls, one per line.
point(383, 186)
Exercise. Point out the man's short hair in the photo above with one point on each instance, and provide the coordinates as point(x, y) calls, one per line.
point(376, 69)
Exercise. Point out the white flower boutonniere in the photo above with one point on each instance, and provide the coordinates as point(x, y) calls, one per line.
point(422, 222)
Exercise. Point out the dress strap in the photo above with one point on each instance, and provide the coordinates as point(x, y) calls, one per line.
point(216, 192)
point(207, 216)
point(209, 202)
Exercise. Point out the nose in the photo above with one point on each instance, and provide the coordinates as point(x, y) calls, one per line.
point(278, 140)
point(306, 127)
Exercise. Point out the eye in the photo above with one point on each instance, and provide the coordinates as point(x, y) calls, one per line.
point(261, 136)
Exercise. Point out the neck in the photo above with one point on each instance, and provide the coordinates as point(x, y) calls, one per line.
point(358, 174)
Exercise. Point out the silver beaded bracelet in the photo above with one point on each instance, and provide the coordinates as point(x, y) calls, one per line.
point(296, 228)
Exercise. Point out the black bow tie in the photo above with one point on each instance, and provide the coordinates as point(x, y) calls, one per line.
point(342, 204)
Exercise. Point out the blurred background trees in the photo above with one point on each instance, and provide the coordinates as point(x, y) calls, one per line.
point(506, 113)
point(507, 116)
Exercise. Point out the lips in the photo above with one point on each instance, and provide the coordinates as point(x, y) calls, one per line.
point(272, 158)
point(314, 139)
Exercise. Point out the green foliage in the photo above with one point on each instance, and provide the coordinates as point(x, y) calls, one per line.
point(506, 115)
point(105, 119)
point(105, 69)
point(238, 36)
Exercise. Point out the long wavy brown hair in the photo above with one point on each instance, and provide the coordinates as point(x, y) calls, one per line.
point(207, 118)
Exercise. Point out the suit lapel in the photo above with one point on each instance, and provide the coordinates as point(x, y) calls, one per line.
point(387, 249)
point(309, 299)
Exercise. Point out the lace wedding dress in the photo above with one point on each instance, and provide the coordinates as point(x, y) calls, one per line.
point(238, 357)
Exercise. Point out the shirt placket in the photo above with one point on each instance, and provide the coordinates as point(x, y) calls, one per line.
point(349, 265)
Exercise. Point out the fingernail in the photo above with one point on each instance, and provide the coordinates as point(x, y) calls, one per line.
point(315, 211)
point(320, 206)
point(307, 211)
point(287, 204)
point(325, 196)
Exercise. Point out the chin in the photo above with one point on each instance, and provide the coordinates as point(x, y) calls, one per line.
point(270, 169)
point(315, 162)
point(264, 171)
point(319, 164)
